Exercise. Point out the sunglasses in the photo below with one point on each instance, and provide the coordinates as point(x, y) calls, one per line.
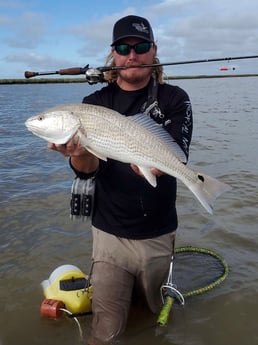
point(139, 48)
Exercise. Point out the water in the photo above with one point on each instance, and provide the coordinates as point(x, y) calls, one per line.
point(37, 235)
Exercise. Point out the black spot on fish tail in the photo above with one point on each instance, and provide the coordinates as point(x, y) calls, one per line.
point(201, 178)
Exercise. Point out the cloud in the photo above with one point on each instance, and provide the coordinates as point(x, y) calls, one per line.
point(184, 30)
point(4, 21)
point(96, 36)
point(26, 31)
point(200, 29)
point(37, 61)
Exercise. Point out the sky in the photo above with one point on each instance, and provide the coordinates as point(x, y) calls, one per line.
point(40, 35)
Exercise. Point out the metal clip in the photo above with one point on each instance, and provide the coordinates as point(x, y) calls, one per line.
point(171, 289)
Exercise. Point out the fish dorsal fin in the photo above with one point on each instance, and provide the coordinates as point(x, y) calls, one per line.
point(98, 155)
point(149, 124)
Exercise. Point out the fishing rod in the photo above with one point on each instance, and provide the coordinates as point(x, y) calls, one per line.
point(95, 75)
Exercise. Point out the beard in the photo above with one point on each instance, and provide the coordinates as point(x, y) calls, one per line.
point(135, 75)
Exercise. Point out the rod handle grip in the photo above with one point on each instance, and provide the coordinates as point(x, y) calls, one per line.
point(165, 311)
point(29, 74)
point(70, 71)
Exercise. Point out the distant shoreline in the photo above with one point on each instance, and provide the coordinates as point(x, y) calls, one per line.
point(82, 80)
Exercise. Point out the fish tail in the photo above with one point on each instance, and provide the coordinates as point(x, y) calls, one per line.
point(207, 189)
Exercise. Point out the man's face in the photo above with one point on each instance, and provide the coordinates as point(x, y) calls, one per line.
point(134, 75)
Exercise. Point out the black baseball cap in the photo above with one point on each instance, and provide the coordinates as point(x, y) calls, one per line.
point(132, 26)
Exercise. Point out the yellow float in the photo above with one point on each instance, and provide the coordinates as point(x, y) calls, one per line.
point(67, 289)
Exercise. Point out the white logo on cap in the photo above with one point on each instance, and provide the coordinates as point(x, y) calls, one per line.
point(141, 27)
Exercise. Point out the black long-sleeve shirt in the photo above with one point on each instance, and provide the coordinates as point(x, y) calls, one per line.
point(126, 205)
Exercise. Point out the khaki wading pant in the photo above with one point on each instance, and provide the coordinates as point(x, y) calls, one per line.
point(120, 266)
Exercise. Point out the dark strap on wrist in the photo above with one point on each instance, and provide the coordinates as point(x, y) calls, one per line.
point(80, 174)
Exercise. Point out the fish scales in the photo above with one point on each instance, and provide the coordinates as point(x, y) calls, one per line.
point(128, 137)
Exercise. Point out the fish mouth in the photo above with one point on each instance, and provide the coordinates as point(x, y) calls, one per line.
point(27, 124)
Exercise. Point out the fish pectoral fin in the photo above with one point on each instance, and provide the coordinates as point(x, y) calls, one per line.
point(97, 154)
point(85, 143)
point(148, 175)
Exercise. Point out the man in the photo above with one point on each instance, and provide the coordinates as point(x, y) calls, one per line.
point(134, 224)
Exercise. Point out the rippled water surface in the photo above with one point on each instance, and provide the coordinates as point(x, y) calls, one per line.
point(37, 235)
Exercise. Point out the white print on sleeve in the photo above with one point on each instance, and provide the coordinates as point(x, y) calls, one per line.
point(186, 125)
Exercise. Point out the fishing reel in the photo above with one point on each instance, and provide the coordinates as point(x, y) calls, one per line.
point(94, 76)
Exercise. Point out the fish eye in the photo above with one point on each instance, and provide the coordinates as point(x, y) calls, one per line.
point(40, 118)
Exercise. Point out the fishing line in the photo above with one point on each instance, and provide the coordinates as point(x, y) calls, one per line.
point(75, 319)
